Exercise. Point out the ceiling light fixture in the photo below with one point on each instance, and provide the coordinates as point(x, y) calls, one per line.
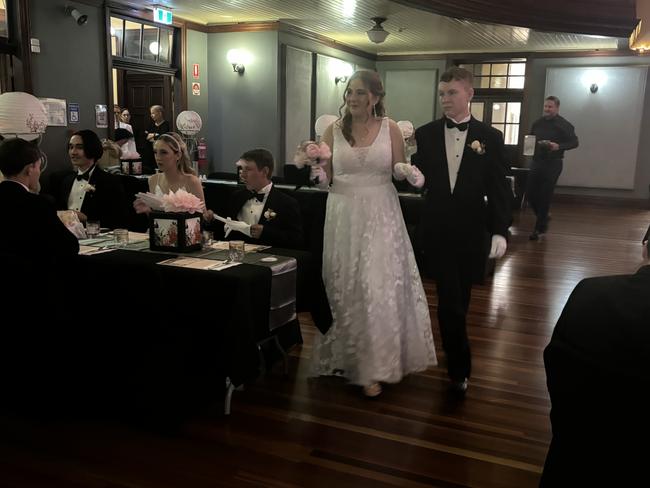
point(377, 34)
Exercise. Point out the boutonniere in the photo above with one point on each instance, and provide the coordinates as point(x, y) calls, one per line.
point(270, 214)
point(478, 147)
point(88, 188)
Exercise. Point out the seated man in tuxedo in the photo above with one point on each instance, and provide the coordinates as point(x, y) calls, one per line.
point(598, 376)
point(90, 191)
point(273, 216)
point(30, 225)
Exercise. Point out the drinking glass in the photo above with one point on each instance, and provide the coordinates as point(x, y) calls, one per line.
point(121, 237)
point(236, 251)
point(529, 145)
point(92, 228)
point(206, 238)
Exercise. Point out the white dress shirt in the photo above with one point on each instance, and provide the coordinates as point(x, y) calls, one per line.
point(78, 191)
point(251, 211)
point(455, 145)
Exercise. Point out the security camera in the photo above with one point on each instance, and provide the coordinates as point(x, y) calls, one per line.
point(80, 18)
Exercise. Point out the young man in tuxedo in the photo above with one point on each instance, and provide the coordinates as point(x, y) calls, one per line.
point(598, 377)
point(554, 135)
point(30, 226)
point(462, 161)
point(90, 191)
point(270, 216)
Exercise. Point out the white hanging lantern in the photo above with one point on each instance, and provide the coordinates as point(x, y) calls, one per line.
point(22, 115)
point(323, 122)
point(189, 122)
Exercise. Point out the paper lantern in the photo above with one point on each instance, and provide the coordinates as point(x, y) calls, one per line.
point(323, 122)
point(189, 122)
point(22, 115)
point(406, 126)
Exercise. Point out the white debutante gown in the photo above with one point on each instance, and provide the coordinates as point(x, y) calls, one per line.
point(381, 329)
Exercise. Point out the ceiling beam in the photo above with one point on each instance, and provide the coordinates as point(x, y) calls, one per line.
point(614, 18)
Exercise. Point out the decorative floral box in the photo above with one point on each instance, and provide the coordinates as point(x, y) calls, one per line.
point(172, 231)
point(131, 167)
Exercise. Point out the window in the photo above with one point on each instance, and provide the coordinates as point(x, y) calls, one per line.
point(4, 26)
point(498, 95)
point(138, 40)
point(501, 75)
point(502, 115)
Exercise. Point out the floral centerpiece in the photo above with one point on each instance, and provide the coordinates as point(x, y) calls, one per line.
point(315, 155)
point(175, 222)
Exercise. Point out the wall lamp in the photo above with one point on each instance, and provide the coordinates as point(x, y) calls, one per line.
point(79, 18)
point(594, 79)
point(340, 70)
point(238, 58)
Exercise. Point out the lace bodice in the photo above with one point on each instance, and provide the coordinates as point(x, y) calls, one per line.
point(363, 166)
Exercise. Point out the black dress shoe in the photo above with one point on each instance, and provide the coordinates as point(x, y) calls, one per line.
point(458, 387)
point(534, 236)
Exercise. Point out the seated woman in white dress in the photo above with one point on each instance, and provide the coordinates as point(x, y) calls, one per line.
point(175, 169)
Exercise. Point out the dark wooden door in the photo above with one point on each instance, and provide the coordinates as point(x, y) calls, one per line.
point(141, 91)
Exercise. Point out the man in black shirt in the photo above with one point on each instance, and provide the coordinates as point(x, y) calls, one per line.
point(554, 135)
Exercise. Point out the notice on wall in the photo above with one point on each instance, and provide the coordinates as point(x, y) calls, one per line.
point(56, 112)
point(196, 88)
point(195, 71)
point(101, 116)
point(73, 113)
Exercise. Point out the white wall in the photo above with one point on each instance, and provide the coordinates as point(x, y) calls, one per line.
point(607, 123)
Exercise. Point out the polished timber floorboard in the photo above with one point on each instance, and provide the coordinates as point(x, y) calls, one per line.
point(294, 432)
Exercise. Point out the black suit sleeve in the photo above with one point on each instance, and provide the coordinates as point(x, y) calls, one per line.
point(498, 191)
point(569, 138)
point(60, 241)
point(113, 203)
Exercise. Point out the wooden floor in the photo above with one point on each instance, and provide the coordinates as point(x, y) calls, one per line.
point(297, 432)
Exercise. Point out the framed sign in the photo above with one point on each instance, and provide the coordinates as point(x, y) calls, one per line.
point(101, 116)
point(73, 113)
point(56, 112)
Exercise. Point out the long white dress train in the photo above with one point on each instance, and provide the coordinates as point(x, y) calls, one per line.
point(381, 329)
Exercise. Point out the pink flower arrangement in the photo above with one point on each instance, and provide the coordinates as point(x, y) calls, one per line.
point(310, 153)
point(182, 201)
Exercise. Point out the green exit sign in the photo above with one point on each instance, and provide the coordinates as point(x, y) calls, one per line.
point(162, 16)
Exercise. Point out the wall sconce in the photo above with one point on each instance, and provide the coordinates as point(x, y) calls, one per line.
point(594, 79)
point(79, 18)
point(341, 71)
point(238, 58)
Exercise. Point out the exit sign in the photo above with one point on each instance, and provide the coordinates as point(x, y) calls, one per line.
point(162, 16)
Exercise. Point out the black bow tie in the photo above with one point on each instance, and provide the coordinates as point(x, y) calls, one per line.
point(461, 127)
point(83, 176)
point(258, 196)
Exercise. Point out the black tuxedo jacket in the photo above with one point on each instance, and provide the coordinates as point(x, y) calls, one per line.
point(283, 230)
point(598, 378)
point(30, 226)
point(462, 222)
point(108, 203)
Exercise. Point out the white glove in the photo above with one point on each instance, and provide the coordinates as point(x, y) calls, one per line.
point(416, 178)
point(499, 246)
point(402, 171)
point(319, 177)
point(230, 225)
